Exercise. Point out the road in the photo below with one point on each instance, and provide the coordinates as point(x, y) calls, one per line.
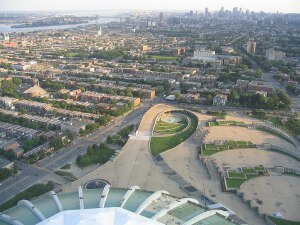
point(30, 174)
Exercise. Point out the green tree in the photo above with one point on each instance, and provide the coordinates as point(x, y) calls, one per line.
point(109, 139)
point(177, 96)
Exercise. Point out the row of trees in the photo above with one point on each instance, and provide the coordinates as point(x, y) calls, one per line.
point(32, 143)
point(101, 121)
point(108, 54)
point(89, 129)
point(278, 100)
point(73, 107)
point(59, 142)
point(56, 143)
point(24, 122)
point(293, 125)
point(53, 85)
point(126, 131)
point(86, 109)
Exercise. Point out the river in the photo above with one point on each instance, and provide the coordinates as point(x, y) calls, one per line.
point(6, 28)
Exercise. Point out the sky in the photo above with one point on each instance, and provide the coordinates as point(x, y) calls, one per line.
point(282, 6)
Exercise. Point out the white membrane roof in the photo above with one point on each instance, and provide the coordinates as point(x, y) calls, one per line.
point(98, 216)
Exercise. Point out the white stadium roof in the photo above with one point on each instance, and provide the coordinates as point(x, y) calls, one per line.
point(98, 216)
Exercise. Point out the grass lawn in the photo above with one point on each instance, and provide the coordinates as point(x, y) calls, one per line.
point(230, 144)
point(65, 174)
point(236, 175)
point(170, 129)
point(224, 123)
point(223, 147)
point(161, 144)
point(235, 179)
point(241, 142)
point(279, 221)
point(234, 183)
point(162, 127)
point(248, 170)
point(260, 167)
point(211, 147)
point(208, 152)
point(212, 124)
point(163, 57)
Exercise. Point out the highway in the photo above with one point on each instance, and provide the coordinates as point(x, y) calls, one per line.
point(30, 174)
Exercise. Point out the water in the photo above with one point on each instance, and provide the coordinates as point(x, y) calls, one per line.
point(6, 28)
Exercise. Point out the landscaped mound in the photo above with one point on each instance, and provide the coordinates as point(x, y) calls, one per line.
point(170, 124)
point(163, 143)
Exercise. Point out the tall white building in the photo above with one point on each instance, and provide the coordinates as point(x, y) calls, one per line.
point(251, 46)
point(272, 54)
point(6, 37)
point(99, 32)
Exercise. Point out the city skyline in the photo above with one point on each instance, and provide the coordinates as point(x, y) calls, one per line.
point(289, 6)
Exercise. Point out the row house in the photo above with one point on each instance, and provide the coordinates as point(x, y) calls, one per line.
point(255, 86)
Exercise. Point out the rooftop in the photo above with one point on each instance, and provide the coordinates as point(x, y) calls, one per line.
point(118, 206)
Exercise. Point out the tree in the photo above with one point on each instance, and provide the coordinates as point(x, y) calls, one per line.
point(23, 111)
point(10, 154)
point(129, 94)
point(259, 73)
point(109, 139)
point(4, 173)
point(292, 88)
point(32, 158)
point(54, 112)
point(286, 100)
point(110, 91)
point(90, 150)
point(70, 135)
point(177, 96)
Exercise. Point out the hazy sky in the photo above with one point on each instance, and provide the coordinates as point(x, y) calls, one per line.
point(255, 5)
